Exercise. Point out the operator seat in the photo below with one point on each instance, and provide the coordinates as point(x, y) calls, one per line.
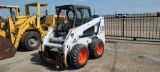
point(42, 19)
point(1, 18)
point(13, 16)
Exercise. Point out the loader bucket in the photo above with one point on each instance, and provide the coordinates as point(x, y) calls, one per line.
point(7, 49)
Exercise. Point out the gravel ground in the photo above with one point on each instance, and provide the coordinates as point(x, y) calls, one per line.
point(119, 56)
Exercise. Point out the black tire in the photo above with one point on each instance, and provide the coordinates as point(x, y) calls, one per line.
point(26, 42)
point(94, 46)
point(74, 59)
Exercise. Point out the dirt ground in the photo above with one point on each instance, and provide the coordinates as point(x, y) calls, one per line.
point(119, 56)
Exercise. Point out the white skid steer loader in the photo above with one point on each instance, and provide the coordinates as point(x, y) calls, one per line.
point(75, 41)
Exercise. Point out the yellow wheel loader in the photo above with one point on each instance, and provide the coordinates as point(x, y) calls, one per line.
point(23, 31)
point(7, 49)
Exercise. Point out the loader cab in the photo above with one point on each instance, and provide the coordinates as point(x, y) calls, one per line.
point(13, 10)
point(76, 15)
point(46, 21)
point(37, 7)
point(13, 13)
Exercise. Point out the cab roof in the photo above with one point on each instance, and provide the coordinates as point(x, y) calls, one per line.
point(35, 4)
point(8, 6)
point(75, 6)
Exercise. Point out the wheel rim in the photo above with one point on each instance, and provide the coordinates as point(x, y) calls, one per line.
point(82, 56)
point(99, 48)
point(33, 41)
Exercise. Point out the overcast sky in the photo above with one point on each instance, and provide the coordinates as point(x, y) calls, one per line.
point(100, 6)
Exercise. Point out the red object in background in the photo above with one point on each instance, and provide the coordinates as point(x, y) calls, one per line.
point(158, 13)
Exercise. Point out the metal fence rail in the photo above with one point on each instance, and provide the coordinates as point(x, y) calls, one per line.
point(144, 26)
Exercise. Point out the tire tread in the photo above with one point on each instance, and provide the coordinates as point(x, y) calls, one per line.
point(73, 56)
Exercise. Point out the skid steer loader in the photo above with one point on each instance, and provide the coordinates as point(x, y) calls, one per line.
point(23, 31)
point(73, 42)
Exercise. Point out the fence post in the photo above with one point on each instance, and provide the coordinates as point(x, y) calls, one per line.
point(123, 27)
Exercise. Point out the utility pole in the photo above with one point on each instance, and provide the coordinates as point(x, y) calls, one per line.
point(94, 11)
point(115, 12)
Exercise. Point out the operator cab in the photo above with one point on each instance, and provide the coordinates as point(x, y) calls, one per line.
point(14, 11)
point(76, 15)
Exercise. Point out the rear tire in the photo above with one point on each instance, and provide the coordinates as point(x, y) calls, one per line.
point(78, 56)
point(30, 40)
point(96, 48)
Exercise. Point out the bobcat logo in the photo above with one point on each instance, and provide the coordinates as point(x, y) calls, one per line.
point(101, 29)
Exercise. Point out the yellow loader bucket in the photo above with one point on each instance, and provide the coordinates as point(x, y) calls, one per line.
point(7, 49)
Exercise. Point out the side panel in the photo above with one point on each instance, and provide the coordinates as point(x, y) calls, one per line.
point(101, 33)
